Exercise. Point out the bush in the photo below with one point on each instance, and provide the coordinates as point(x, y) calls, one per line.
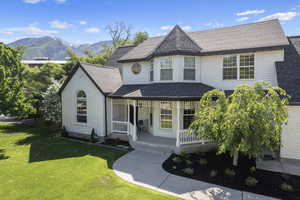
point(202, 161)
point(213, 173)
point(177, 159)
point(251, 181)
point(94, 137)
point(189, 162)
point(188, 171)
point(64, 132)
point(285, 177)
point(252, 170)
point(286, 187)
point(229, 172)
point(185, 155)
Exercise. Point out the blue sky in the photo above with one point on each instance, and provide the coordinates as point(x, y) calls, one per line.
point(84, 21)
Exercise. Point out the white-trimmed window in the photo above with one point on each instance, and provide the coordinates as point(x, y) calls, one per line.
point(188, 114)
point(239, 67)
point(81, 107)
point(166, 71)
point(230, 67)
point(247, 66)
point(165, 115)
point(189, 68)
point(151, 71)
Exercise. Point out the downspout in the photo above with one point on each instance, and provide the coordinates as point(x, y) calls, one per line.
point(105, 110)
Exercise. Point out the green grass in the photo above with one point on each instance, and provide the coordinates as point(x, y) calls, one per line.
point(36, 165)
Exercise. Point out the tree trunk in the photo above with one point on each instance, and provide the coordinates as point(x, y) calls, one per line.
point(235, 158)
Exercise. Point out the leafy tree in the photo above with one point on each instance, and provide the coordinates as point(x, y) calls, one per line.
point(248, 121)
point(51, 103)
point(140, 37)
point(73, 59)
point(12, 98)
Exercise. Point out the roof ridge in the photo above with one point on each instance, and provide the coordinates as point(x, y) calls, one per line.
point(97, 66)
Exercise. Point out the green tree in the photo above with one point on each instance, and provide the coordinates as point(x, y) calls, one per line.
point(248, 121)
point(140, 37)
point(12, 97)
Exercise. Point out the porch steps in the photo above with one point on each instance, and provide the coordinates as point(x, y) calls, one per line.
point(151, 147)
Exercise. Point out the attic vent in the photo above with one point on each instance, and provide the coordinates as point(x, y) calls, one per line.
point(136, 68)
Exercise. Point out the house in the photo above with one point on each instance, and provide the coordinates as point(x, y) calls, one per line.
point(147, 93)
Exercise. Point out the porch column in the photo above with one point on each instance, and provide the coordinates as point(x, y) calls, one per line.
point(134, 134)
point(178, 125)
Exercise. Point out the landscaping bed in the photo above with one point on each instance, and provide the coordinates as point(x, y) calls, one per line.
point(218, 169)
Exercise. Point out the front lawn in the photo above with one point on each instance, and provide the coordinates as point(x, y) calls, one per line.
point(36, 165)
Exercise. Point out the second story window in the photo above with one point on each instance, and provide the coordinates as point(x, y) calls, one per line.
point(151, 71)
point(230, 67)
point(247, 66)
point(166, 71)
point(189, 68)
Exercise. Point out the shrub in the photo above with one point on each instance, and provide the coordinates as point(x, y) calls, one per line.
point(177, 159)
point(213, 173)
point(94, 137)
point(202, 161)
point(189, 162)
point(251, 181)
point(286, 187)
point(185, 155)
point(229, 172)
point(174, 167)
point(64, 132)
point(285, 176)
point(188, 171)
point(252, 170)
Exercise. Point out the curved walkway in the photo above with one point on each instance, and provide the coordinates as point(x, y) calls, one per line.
point(145, 169)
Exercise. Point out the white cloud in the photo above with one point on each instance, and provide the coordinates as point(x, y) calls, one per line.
point(250, 12)
point(33, 1)
point(214, 24)
point(93, 30)
point(31, 30)
point(281, 16)
point(60, 1)
point(166, 27)
point(242, 19)
point(59, 24)
point(82, 22)
point(6, 32)
point(186, 28)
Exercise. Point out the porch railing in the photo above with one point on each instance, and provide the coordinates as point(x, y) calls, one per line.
point(120, 127)
point(184, 137)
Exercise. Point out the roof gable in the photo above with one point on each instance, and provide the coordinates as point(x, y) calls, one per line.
point(177, 42)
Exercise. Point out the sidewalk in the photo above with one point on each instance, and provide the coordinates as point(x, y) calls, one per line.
point(144, 169)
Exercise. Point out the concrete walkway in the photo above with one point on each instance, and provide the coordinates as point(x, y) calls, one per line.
point(145, 169)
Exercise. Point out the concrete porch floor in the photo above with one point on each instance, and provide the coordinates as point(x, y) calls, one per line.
point(282, 165)
point(148, 138)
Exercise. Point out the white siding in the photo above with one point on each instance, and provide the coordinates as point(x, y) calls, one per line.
point(209, 70)
point(95, 105)
point(290, 139)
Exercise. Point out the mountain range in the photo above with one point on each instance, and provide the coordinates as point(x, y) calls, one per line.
point(54, 48)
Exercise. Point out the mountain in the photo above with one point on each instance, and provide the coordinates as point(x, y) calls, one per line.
point(54, 48)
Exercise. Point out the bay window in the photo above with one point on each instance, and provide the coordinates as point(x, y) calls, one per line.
point(189, 68)
point(151, 71)
point(165, 115)
point(188, 114)
point(166, 71)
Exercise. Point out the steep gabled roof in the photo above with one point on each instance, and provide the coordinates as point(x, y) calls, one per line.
point(288, 72)
point(177, 42)
point(106, 79)
point(117, 54)
point(247, 37)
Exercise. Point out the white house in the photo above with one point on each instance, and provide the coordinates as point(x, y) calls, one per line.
point(147, 93)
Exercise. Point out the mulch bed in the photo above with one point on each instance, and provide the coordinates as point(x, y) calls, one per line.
point(268, 182)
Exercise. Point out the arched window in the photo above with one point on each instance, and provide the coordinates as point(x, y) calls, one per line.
point(81, 107)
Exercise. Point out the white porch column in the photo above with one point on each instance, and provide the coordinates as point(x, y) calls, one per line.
point(178, 124)
point(134, 132)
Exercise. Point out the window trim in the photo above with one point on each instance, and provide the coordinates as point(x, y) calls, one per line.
point(170, 68)
point(160, 115)
point(238, 67)
point(76, 106)
point(194, 68)
point(183, 115)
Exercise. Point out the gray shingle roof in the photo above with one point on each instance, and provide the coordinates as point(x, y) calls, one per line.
point(288, 72)
point(162, 91)
point(118, 53)
point(252, 36)
point(108, 79)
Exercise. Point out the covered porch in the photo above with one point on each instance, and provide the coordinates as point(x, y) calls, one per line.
point(162, 123)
